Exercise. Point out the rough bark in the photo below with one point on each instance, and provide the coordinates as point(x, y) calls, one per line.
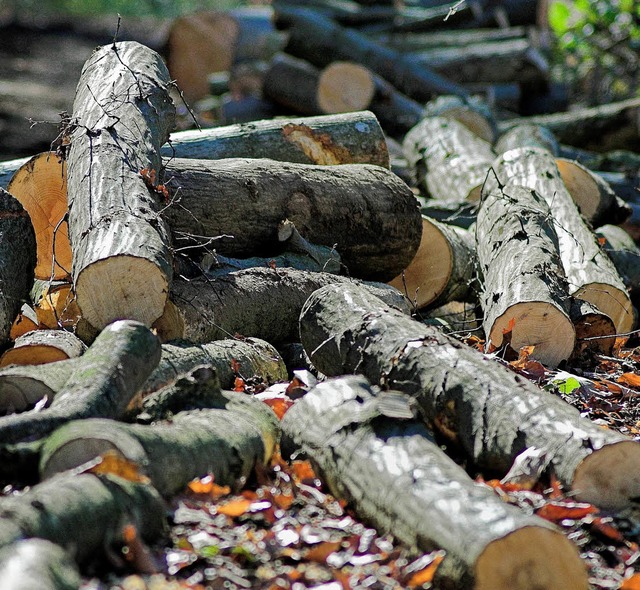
point(524, 287)
point(456, 316)
point(395, 475)
point(367, 213)
point(590, 272)
point(17, 260)
point(101, 384)
point(226, 439)
point(122, 114)
point(527, 135)
point(349, 138)
point(595, 331)
point(259, 303)
point(491, 412)
point(625, 254)
point(450, 162)
point(443, 267)
point(43, 346)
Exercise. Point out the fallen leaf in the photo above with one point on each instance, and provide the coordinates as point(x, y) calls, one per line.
point(425, 575)
point(557, 511)
point(235, 507)
point(319, 553)
point(206, 485)
point(632, 583)
point(238, 384)
point(630, 379)
point(113, 463)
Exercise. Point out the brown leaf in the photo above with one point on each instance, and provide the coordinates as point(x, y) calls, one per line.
point(206, 485)
point(632, 583)
point(630, 379)
point(557, 511)
point(113, 463)
point(320, 552)
point(425, 575)
point(279, 405)
point(235, 507)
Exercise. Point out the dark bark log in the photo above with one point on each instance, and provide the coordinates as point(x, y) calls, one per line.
point(491, 412)
point(43, 346)
point(17, 260)
point(316, 38)
point(123, 114)
point(246, 109)
point(590, 272)
point(367, 213)
point(86, 513)
point(350, 138)
point(459, 214)
point(527, 135)
point(226, 437)
point(259, 303)
point(395, 475)
point(101, 384)
point(474, 113)
point(524, 287)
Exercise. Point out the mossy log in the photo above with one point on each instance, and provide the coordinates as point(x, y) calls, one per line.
point(590, 273)
point(101, 383)
point(43, 346)
point(226, 438)
point(490, 412)
point(260, 303)
point(348, 138)
point(366, 212)
point(395, 475)
point(448, 160)
point(524, 287)
point(122, 115)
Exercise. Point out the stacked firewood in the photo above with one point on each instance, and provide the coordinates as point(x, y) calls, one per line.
point(171, 265)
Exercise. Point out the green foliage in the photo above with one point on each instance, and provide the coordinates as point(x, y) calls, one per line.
point(597, 45)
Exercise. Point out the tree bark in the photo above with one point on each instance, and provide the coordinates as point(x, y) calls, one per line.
point(349, 138)
point(367, 213)
point(258, 303)
point(122, 114)
point(17, 260)
point(595, 331)
point(491, 412)
point(101, 384)
point(590, 272)
point(527, 135)
point(395, 475)
point(474, 113)
point(625, 254)
point(524, 287)
point(226, 437)
point(43, 346)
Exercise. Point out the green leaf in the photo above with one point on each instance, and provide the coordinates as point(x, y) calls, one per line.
point(559, 14)
point(209, 551)
point(568, 385)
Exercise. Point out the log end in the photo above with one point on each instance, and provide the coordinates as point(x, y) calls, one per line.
point(531, 557)
point(19, 393)
point(611, 301)
point(582, 187)
point(170, 325)
point(610, 476)
point(344, 87)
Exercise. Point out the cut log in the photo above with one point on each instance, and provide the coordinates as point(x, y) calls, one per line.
point(624, 252)
point(491, 412)
point(86, 513)
point(457, 316)
point(396, 476)
point(260, 303)
point(367, 213)
point(527, 135)
point(590, 272)
point(8, 169)
point(226, 439)
point(345, 86)
point(472, 112)
point(524, 287)
point(450, 162)
point(55, 304)
point(121, 255)
point(43, 346)
point(595, 331)
point(319, 40)
point(26, 321)
point(443, 267)
point(17, 260)
point(350, 138)
point(101, 384)
point(41, 187)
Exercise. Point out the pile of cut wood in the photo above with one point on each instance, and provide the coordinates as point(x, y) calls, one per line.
point(144, 272)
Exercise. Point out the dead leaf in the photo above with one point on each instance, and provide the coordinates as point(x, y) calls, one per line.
point(558, 511)
point(425, 575)
point(235, 508)
point(632, 583)
point(319, 553)
point(630, 379)
point(206, 485)
point(113, 463)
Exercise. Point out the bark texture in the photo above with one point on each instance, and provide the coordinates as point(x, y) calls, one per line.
point(474, 113)
point(395, 475)
point(527, 135)
point(624, 252)
point(491, 412)
point(121, 254)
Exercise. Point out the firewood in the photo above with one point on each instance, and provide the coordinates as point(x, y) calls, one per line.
point(8, 169)
point(443, 267)
point(524, 287)
point(101, 384)
point(349, 138)
point(121, 252)
point(55, 304)
point(474, 113)
point(458, 316)
point(450, 162)
point(527, 135)
point(365, 212)
point(43, 346)
point(26, 321)
point(595, 331)
point(624, 252)
point(590, 272)
point(489, 411)
point(395, 475)
point(259, 302)
point(348, 86)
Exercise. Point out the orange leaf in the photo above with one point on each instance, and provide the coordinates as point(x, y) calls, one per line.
point(279, 405)
point(302, 470)
point(235, 507)
point(113, 463)
point(235, 366)
point(321, 552)
point(631, 379)
point(557, 511)
point(425, 575)
point(510, 326)
point(238, 384)
point(602, 241)
point(632, 583)
point(207, 485)
point(603, 527)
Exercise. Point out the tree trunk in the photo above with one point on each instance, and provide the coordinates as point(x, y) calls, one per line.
point(450, 162)
point(443, 267)
point(349, 138)
point(624, 252)
point(43, 346)
point(17, 260)
point(474, 113)
point(527, 135)
point(590, 272)
point(122, 115)
point(595, 331)
point(260, 302)
point(367, 213)
point(491, 412)
point(524, 291)
point(55, 304)
point(225, 437)
point(101, 384)
point(396, 476)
